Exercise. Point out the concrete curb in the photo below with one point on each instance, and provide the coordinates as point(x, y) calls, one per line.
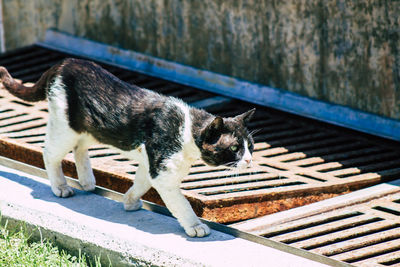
point(98, 225)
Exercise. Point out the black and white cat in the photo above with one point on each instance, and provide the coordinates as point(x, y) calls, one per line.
point(88, 105)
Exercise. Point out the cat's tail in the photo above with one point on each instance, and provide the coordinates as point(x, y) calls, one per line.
point(34, 93)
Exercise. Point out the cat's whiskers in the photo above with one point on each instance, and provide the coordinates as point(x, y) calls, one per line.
point(233, 170)
point(230, 165)
point(253, 133)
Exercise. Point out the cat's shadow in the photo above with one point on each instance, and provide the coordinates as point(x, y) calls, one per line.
point(99, 207)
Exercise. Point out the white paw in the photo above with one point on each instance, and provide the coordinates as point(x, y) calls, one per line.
point(88, 187)
point(133, 206)
point(62, 191)
point(87, 182)
point(198, 230)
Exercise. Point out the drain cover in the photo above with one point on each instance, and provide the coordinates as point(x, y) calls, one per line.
point(297, 161)
point(362, 228)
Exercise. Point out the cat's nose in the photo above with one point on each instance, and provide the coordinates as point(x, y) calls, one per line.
point(248, 161)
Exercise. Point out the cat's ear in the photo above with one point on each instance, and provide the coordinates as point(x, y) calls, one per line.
point(214, 129)
point(246, 117)
point(217, 124)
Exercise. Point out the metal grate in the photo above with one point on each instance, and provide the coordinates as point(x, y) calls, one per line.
point(365, 232)
point(297, 161)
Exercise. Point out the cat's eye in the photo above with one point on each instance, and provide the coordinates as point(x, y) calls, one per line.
point(249, 145)
point(233, 148)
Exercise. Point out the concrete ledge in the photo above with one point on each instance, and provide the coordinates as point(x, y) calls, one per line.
point(98, 225)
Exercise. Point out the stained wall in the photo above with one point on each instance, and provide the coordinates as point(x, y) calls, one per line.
point(344, 52)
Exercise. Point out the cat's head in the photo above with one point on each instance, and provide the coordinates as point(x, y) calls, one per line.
point(226, 141)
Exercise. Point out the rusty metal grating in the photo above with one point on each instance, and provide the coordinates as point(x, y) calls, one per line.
point(297, 161)
point(365, 232)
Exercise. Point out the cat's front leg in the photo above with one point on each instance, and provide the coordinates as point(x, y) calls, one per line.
point(141, 185)
point(168, 188)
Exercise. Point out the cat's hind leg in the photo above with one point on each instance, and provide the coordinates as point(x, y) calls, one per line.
point(60, 140)
point(82, 163)
point(140, 187)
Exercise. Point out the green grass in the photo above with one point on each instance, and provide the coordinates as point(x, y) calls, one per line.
point(16, 249)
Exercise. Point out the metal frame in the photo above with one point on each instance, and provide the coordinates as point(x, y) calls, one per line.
point(162, 210)
point(224, 85)
point(2, 35)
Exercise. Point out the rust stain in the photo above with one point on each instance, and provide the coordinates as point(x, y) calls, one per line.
point(245, 210)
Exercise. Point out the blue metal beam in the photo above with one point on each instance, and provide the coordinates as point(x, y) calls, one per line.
point(227, 86)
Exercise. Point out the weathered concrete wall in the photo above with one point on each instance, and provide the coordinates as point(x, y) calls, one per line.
point(346, 52)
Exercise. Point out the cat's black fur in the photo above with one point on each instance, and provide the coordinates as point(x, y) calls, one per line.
point(120, 114)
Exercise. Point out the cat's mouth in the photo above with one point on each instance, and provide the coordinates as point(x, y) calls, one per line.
point(239, 165)
point(236, 165)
